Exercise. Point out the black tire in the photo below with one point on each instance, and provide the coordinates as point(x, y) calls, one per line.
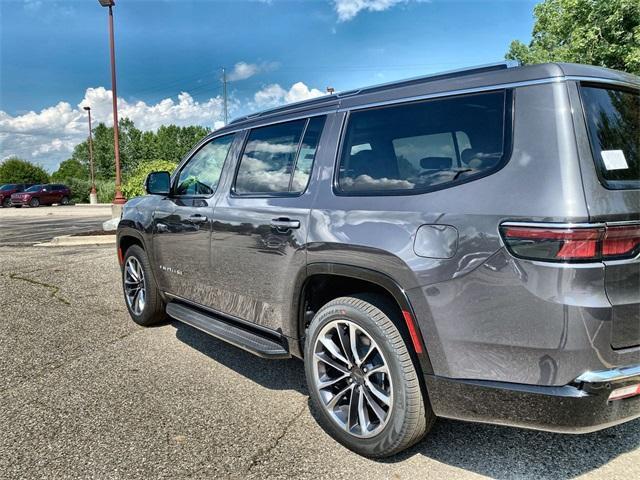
point(64, 201)
point(6, 203)
point(153, 312)
point(410, 416)
point(35, 202)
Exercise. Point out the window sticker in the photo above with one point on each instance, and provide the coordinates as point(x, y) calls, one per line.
point(614, 160)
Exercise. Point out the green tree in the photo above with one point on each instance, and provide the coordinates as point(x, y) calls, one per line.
point(133, 186)
point(16, 170)
point(595, 32)
point(71, 168)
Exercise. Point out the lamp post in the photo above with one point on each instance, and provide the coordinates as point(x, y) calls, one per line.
point(93, 196)
point(119, 199)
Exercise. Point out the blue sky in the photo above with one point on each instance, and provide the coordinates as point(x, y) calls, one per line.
point(54, 57)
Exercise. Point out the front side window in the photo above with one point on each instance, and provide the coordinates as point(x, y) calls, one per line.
point(35, 188)
point(5, 188)
point(424, 145)
point(201, 174)
point(613, 121)
point(277, 159)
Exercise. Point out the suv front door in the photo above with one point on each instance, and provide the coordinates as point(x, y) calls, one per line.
point(182, 223)
point(260, 227)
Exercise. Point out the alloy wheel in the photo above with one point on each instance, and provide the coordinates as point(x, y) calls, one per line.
point(134, 285)
point(352, 378)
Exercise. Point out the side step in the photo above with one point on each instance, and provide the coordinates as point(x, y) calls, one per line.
point(259, 345)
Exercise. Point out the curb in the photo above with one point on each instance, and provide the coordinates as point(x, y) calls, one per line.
point(69, 241)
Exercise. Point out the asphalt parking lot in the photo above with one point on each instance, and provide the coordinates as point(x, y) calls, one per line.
point(86, 393)
point(28, 226)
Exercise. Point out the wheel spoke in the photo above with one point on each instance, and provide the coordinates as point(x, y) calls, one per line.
point(363, 415)
point(353, 342)
point(383, 397)
point(353, 410)
point(379, 369)
point(372, 348)
point(380, 413)
point(334, 350)
point(331, 381)
point(336, 398)
point(323, 357)
point(344, 343)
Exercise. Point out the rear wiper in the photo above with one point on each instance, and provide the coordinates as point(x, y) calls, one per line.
point(459, 172)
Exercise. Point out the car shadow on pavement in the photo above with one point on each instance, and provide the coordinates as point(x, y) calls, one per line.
point(272, 374)
point(491, 450)
point(510, 453)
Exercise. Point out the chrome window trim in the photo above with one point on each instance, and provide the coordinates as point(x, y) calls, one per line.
point(452, 93)
point(608, 81)
point(612, 375)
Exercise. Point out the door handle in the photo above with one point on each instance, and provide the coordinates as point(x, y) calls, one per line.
point(198, 219)
point(283, 224)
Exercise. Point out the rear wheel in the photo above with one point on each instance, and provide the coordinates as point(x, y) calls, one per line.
point(34, 202)
point(141, 293)
point(6, 202)
point(64, 201)
point(362, 380)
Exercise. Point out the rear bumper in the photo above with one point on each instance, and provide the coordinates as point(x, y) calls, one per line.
point(581, 407)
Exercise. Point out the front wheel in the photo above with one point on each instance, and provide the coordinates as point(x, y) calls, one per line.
point(34, 202)
point(361, 378)
point(141, 294)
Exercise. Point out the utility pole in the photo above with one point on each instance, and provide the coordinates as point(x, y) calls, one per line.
point(224, 94)
point(93, 196)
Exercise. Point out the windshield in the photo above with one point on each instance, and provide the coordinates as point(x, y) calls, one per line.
point(35, 188)
point(613, 120)
point(5, 188)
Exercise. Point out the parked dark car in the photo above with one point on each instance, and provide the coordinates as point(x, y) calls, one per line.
point(45, 194)
point(9, 189)
point(465, 245)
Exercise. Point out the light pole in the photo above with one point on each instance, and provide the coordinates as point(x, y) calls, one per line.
point(119, 199)
point(93, 196)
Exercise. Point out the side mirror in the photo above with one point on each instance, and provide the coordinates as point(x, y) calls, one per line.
point(158, 183)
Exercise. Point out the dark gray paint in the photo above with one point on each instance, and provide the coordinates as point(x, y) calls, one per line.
point(483, 314)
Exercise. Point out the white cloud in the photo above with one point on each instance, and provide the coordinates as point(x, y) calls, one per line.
point(348, 9)
point(49, 136)
point(274, 95)
point(243, 70)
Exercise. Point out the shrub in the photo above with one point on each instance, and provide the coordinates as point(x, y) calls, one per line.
point(16, 170)
point(133, 186)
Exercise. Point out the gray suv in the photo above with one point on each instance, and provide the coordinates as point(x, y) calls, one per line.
point(464, 245)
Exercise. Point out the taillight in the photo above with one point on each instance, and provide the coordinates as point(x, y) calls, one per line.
point(574, 244)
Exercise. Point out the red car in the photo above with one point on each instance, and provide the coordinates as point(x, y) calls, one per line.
point(46, 194)
point(9, 189)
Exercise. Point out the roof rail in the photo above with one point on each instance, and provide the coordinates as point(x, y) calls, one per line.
point(347, 93)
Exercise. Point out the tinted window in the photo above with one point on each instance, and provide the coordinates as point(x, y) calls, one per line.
point(613, 120)
point(35, 188)
point(4, 188)
point(425, 145)
point(201, 174)
point(307, 154)
point(268, 159)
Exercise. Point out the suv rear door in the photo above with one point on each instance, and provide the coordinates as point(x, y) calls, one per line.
point(260, 226)
point(608, 131)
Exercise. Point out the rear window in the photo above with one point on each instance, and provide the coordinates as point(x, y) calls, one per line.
point(423, 146)
point(613, 121)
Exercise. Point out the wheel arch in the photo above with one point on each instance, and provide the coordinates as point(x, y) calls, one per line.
point(357, 279)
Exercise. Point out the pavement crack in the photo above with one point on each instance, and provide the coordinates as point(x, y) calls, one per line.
point(264, 452)
point(54, 290)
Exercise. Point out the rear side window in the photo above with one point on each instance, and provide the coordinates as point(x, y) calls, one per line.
point(424, 146)
point(613, 121)
point(277, 159)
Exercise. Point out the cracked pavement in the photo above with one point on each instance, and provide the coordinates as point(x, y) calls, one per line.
point(86, 393)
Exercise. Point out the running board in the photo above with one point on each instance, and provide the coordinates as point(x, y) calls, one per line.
point(252, 342)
